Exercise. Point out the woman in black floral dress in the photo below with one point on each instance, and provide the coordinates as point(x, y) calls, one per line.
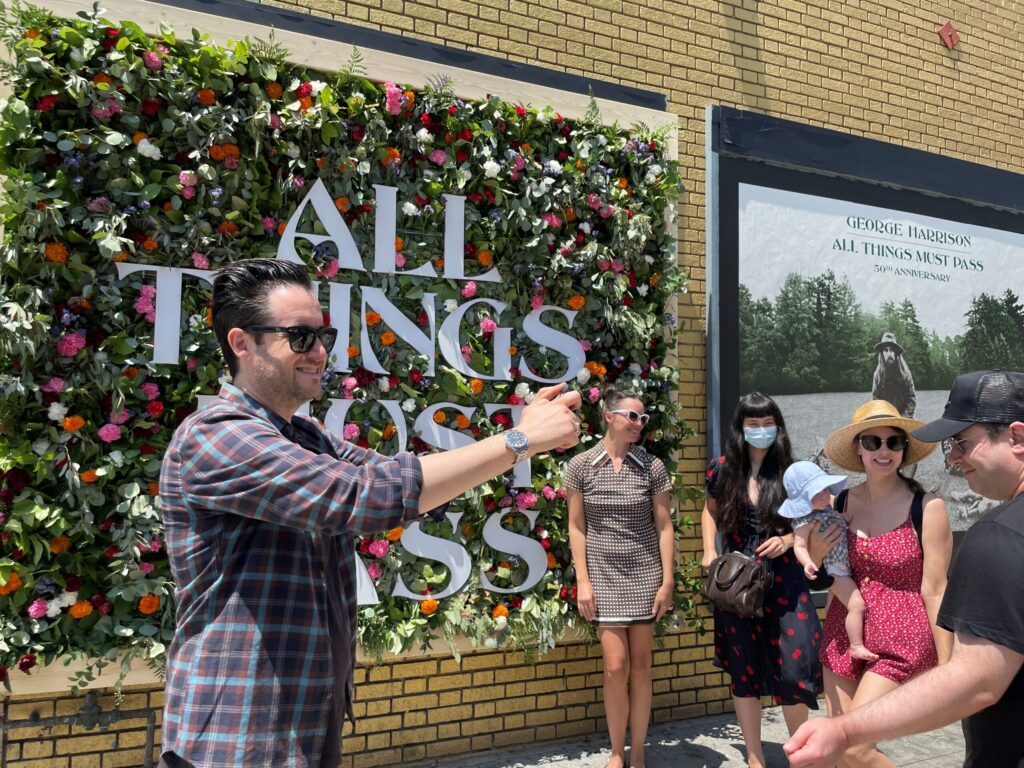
point(776, 655)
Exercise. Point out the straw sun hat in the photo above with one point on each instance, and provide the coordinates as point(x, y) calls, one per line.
point(841, 450)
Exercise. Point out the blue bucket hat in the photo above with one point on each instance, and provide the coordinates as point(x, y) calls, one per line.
point(804, 480)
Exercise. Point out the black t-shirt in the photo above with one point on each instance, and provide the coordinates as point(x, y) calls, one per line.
point(985, 598)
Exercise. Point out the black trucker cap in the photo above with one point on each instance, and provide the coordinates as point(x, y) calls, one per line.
point(980, 397)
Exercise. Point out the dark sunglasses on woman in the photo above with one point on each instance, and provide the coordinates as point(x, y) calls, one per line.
point(300, 337)
point(633, 415)
point(895, 443)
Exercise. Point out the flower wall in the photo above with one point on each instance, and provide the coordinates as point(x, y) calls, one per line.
point(128, 157)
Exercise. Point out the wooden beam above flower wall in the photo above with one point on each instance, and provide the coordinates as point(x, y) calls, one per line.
point(323, 53)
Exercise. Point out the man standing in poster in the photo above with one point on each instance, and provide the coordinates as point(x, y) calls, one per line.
point(893, 380)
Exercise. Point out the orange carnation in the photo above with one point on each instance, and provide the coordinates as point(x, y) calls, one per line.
point(399, 243)
point(122, 256)
point(623, 182)
point(476, 386)
point(232, 150)
point(73, 423)
point(60, 544)
point(391, 155)
point(13, 583)
point(150, 244)
point(439, 417)
point(461, 421)
point(130, 372)
point(153, 487)
point(342, 204)
point(56, 252)
point(274, 90)
point(395, 533)
point(596, 369)
point(149, 604)
point(32, 34)
point(552, 562)
point(102, 78)
point(512, 350)
point(428, 606)
point(486, 258)
point(372, 318)
point(499, 610)
point(570, 214)
point(217, 152)
point(139, 136)
point(352, 352)
point(207, 97)
point(305, 103)
point(388, 338)
point(228, 228)
point(388, 432)
point(281, 227)
point(576, 302)
point(89, 476)
point(81, 609)
point(209, 317)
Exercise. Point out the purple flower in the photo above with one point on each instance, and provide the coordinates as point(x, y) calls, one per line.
point(379, 547)
point(38, 609)
point(108, 433)
point(56, 385)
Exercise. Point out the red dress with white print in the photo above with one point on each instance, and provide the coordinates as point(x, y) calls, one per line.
point(888, 570)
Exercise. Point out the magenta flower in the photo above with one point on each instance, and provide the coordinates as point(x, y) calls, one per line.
point(379, 547)
point(70, 344)
point(467, 353)
point(152, 61)
point(199, 260)
point(550, 219)
point(188, 192)
point(351, 431)
point(537, 301)
point(393, 98)
point(55, 385)
point(526, 500)
point(594, 394)
point(593, 201)
point(439, 157)
point(585, 345)
point(269, 223)
point(275, 121)
point(374, 570)
point(120, 417)
point(108, 433)
point(231, 163)
point(549, 492)
point(191, 363)
point(506, 501)
point(488, 326)
point(468, 290)
point(38, 609)
point(145, 568)
point(150, 390)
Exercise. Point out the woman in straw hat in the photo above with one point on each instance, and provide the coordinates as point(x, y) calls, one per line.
point(901, 573)
point(776, 655)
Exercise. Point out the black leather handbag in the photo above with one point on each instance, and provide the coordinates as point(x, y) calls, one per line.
point(738, 583)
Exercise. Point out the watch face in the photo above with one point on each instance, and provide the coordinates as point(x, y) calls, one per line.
point(516, 440)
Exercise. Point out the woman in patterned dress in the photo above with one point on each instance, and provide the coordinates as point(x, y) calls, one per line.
point(901, 577)
point(623, 545)
point(776, 655)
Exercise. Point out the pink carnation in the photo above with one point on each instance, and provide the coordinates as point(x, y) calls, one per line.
point(269, 223)
point(399, 259)
point(549, 492)
point(108, 433)
point(275, 121)
point(231, 162)
point(38, 609)
point(191, 363)
point(55, 385)
point(506, 501)
point(537, 301)
point(606, 211)
point(488, 326)
point(188, 178)
point(150, 390)
point(375, 571)
point(188, 192)
point(550, 219)
point(594, 394)
point(467, 353)
point(152, 61)
point(351, 431)
point(585, 345)
point(119, 417)
point(526, 500)
point(379, 547)
point(350, 382)
point(468, 290)
point(200, 261)
point(439, 157)
point(70, 344)
point(145, 568)
point(593, 201)
point(393, 98)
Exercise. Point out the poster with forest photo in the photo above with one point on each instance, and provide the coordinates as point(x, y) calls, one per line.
point(840, 303)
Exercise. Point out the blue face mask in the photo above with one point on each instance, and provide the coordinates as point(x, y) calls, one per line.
point(760, 437)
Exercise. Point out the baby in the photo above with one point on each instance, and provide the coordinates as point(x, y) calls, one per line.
point(810, 493)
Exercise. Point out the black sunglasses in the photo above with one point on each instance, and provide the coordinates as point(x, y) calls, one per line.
point(300, 337)
point(872, 443)
point(633, 415)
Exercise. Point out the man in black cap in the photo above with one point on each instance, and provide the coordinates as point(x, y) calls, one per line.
point(983, 682)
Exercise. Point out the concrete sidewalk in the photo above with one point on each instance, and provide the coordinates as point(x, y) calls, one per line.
point(707, 742)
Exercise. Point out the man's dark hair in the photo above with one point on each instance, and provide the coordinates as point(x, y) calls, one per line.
point(240, 296)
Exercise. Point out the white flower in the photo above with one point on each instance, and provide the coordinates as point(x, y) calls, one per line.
point(149, 149)
point(583, 376)
point(410, 209)
point(465, 175)
point(424, 136)
point(585, 227)
point(491, 169)
point(317, 85)
point(41, 446)
point(409, 405)
point(57, 412)
point(450, 305)
point(522, 390)
point(635, 369)
point(293, 151)
point(529, 397)
point(653, 173)
point(52, 609)
point(500, 623)
point(116, 457)
point(642, 289)
point(385, 385)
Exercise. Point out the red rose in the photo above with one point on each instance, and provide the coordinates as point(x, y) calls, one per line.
point(154, 408)
point(627, 300)
point(415, 376)
point(563, 593)
point(46, 103)
point(26, 662)
point(462, 156)
point(476, 197)
point(358, 132)
point(96, 600)
point(73, 583)
point(304, 90)
point(151, 106)
point(466, 135)
point(147, 450)
point(521, 111)
point(515, 601)
point(546, 544)
point(112, 551)
point(422, 318)
point(452, 110)
point(425, 119)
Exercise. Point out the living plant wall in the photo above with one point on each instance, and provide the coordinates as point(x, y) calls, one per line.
point(469, 251)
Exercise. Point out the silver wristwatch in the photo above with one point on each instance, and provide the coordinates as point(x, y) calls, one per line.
point(518, 443)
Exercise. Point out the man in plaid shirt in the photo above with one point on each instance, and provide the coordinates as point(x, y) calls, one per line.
point(261, 508)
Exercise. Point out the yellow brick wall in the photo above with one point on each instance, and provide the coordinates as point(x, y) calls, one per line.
point(873, 68)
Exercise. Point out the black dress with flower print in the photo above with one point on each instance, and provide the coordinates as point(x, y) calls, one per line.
point(776, 655)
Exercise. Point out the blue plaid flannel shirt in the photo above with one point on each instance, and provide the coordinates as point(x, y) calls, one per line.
point(260, 516)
